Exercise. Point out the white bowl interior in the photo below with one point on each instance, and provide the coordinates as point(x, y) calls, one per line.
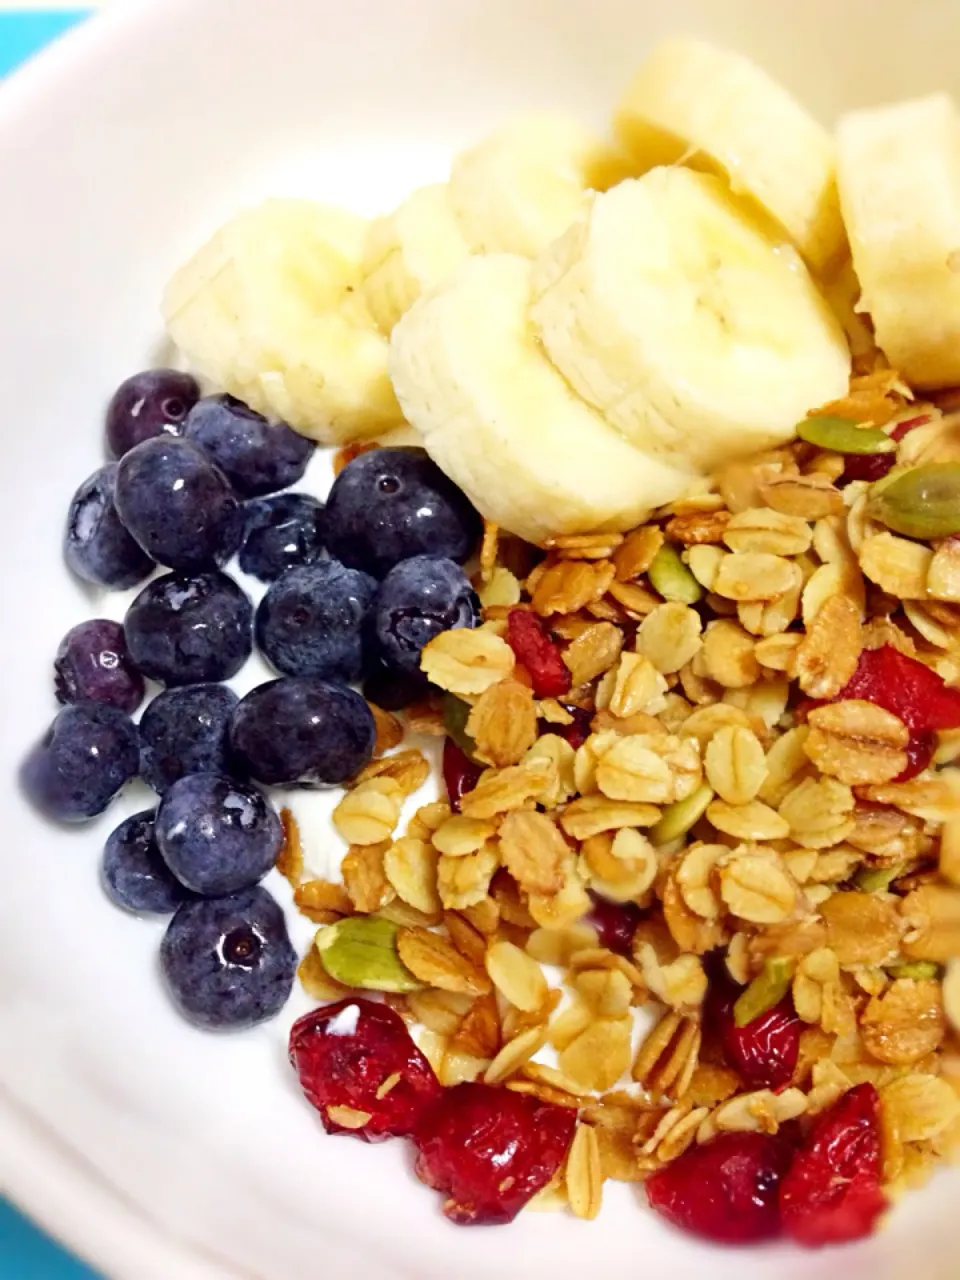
point(156, 1149)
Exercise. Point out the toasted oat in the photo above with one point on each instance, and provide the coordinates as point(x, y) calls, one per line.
point(828, 654)
point(636, 553)
point(533, 851)
point(857, 742)
point(502, 790)
point(760, 529)
point(320, 898)
point(752, 576)
point(593, 652)
point(503, 723)
point(698, 527)
point(599, 1055)
point(290, 858)
point(897, 565)
point(735, 764)
point(369, 813)
point(584, 1173)
point(464, 882)
point(756, 886)
point(466, 662)
point(669, 637)
point(365, 878)
point(569, 585)
point(433, 960)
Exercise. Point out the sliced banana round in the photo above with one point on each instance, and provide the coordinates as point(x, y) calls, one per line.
point(501, 421)
point(671, 312)
point(412, 250)
point(522, 186)
point(268, 310)
point(899, 175)
point(692, 101)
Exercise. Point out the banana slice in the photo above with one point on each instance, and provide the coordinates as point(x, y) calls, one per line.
point(899, 175)
point(503, 424)
point(690, 330)
point(268, 310)
point(521, 187)
point(414, 249)
point(690, 97)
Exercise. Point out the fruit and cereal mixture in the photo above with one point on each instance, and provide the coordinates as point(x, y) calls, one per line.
point(699, 773)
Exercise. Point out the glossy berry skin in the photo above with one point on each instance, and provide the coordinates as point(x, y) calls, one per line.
point(725, 1190)
point(281, 532)
point(490, 1150)
point(527, 637)
point(96, 545)
point(906, 688)
point(216, 835)
point(93, 665)
point(190, 630)
point(765, 1051)
point(228, 962)
point(460, 774)
point(344, 1053)
point(311, 621)
point(389, 505)
point(615, 923)
point(832, 1193)
point(152, 403)
point(417, 600)
point(301, 731)
point(88, 754)
point(134, 874)
point(393, 690)
point(257, 457)
point(178, 505)
point(185, 731)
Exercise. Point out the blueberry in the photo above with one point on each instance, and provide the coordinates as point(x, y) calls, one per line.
point(228, 962)
point(217, 835)
point(155, 402)
point(418, 599)
point(392, 690)
point(311, 621)
point(256, 456)
point(185, 731)
point(133, 872)
point(96, 546)
point(86, 756)
point(93, 665)
point(302, 731)
point(190, 630)
point(281, 533)
point(390, 504)
point(177, 504)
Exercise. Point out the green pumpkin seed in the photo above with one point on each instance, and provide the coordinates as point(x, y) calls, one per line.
point(456, 713)
point(919, 969)
point(361, 951)
point(876, 879)
point(677, 819)
point(671, 577)
point(923, 502)
point(841, 435)
point(766, 990)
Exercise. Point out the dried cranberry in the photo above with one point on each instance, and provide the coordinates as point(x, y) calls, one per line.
point(726, 1190)
point(765, 1051)
point(347, 1054)
point(615, 922)
point(832, 1193)
point(920, 750)
point(459, 773)
point(906, 688)
point(527, 637)
point(874, 466)
point(490, 1150)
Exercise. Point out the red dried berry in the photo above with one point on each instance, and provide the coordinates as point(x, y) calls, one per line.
point(906, 688)
point(527, 637)
point(359, 1054)
point(874, 466)
point(832, 1193)
point(615, 922)
point(920, 750)
point(726, 1190)
point(459, 773)
point(489, 1150)
point(765, 1051)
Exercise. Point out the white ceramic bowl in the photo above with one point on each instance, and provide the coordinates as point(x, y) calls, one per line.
point(156, 1150)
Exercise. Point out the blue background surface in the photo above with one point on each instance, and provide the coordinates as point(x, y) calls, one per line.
point(25, 1252)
